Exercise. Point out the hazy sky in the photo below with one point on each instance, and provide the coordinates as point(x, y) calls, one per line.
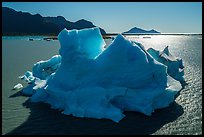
point(166, 17)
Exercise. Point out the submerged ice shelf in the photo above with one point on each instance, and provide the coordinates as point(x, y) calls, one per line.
point(87, 80)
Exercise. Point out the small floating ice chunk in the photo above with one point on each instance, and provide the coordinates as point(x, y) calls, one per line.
point(18, 86)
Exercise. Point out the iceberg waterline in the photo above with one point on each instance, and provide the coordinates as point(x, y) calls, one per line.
point(87, 80)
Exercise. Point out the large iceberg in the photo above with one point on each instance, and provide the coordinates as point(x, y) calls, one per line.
point(87, 80)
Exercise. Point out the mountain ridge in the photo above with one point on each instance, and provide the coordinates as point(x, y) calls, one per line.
point(26, 23)
point(139, 30)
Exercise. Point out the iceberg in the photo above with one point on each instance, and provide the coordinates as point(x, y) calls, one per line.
point(88, 80)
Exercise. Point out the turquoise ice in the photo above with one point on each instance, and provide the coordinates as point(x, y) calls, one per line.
point(88, 80)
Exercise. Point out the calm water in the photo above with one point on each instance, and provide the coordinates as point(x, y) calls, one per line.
point(19, 116)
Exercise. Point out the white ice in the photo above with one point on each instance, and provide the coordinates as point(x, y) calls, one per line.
point(18, 86)
point(86, 80)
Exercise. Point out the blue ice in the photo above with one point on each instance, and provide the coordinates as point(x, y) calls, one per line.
point(86, 80)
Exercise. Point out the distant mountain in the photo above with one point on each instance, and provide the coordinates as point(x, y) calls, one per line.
point(139, 30)
point(62, 23)
point(14, 22)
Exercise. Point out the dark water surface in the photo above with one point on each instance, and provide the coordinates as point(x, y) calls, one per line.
point(19, 116)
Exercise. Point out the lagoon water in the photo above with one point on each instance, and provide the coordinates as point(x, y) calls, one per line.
point(19, 116)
